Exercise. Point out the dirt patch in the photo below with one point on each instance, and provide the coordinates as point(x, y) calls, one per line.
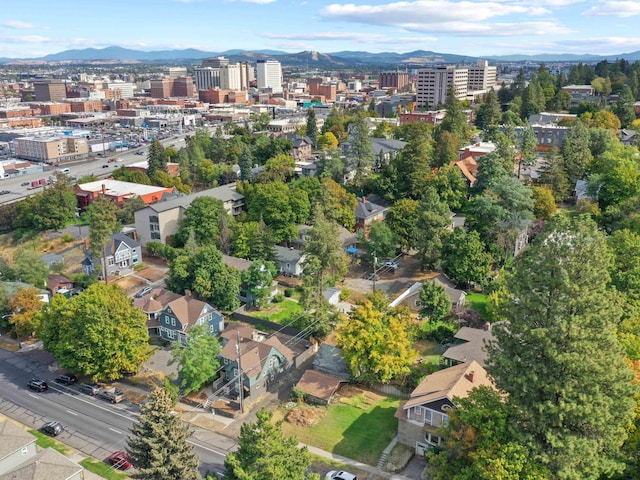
point(305, 415)
point(152, 274)
point(358, 397)
point(135, 397)
point(129, 283)
point(9, 346)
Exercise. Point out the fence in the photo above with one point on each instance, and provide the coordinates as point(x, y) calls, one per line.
point(263, 324)
point(390, 390)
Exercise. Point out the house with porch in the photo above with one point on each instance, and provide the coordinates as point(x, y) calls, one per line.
point(122, 254)
point(253, 359)
point(289, 261)
point(178, 316)
point(421, 417)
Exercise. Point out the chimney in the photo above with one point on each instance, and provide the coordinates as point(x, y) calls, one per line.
point(187, 293)
point(364, 199)
point(471, 376)
point(487, 327)
point(104, 189)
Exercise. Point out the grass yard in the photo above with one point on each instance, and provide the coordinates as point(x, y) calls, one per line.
point(358, 424)
point(102, 469)
point(45, 441)
point(279, 312)
point(478, 302)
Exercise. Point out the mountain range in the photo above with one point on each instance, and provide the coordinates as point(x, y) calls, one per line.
point(311, 59)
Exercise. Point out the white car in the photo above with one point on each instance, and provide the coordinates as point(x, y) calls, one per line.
point(340, 475)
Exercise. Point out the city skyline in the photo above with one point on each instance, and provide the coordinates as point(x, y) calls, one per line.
point(501, 27)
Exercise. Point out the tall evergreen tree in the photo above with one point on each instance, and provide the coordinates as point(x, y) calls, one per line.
point(158, 447)
point(360, 152)
point(558, 359)
point(455, 120)
point(157, 158)
point(102, 224)
point(312, 127)
point(576, 154)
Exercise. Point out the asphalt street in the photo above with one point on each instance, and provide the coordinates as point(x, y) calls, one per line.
point(92, 425)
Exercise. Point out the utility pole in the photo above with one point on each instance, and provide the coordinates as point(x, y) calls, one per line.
point(240, 385)
point(375, 264)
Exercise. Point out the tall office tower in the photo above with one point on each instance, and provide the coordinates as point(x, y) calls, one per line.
point(482, 76)
point(433, 84)
point(175, 72)
point(215, 62)
point(398, 80)
point(269, 75)
point(230, 77)
point(207, 77)
point(50, 90)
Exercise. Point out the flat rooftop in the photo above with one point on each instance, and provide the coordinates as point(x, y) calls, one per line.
point(119, 188)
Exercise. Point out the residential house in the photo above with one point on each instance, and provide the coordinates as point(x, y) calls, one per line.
point(11, 288)
point(628, 137)
point(178, 316)
point(411, 296)
point(59, 284)
point(252, 358)
point(366, 214)
point(160, 221)
point(385, 149)
point(302, 146)
point(122, 254)
point(346, 238)
point(470, 344)
point(468, 167)
point(20, 459)
point(289, 261)
point(426, 411)
point(152, 305)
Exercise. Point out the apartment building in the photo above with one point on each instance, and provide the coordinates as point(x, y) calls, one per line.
point(49, 90)
point(394, 79)
point(269, 75)
point(433, 85)
point(482, 76)
point(51, 148)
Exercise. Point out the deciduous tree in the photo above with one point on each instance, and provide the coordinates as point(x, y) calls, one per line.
point(197, 359)
point(464, 258)
point(435, 304)
point(25, 304)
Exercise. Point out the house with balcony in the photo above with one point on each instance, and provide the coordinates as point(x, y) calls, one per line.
point(421, 417)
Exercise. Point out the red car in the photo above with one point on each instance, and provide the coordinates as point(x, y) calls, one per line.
point(119, 460)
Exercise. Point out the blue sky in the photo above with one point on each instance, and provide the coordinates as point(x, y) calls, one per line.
point(33, 28)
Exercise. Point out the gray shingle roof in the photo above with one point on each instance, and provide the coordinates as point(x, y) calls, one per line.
point(225, 193)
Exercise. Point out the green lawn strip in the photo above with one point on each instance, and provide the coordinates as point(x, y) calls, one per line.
point(102, 469)
point(478, 302)
point(44, 441)
point(278, 312)
point(359, 432)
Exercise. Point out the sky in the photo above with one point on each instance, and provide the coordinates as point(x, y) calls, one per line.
point(33, 28)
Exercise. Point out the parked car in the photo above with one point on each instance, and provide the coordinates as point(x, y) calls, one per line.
point(340, 475)
point(143, 291)
point(89, 388)
point(372, 276)
point(67, 378)
point(112, 394)
point(37, 385)
point(53, 429)
point(119, 460)
point(390, 264)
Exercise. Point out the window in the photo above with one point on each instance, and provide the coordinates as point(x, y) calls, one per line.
point(173, 322)
point(155, 236)
point(427, 416)
point(445, 420)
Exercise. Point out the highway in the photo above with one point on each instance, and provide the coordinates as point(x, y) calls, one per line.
point(89, 166)
point(92, 425)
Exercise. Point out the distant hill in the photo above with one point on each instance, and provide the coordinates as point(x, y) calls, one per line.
point(343, 59)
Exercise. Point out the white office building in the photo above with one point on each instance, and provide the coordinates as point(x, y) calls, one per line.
point(120, 89)
point(482, 76)
point(433, 84)
point(269, 75)
point(230, 77)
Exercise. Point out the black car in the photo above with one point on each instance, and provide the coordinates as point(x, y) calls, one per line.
point(52, 429)
point(38, 385)
point(67, 378)
point(4, 192)
point(89, 388)
point(25, 184)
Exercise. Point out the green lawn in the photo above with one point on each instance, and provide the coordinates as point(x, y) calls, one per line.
point(357, 430)
point(280, 312)
point(478, 302)
point(45, 441)
point(102, 469)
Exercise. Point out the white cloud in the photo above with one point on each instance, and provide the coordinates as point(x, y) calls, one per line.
point(623, 9)
point(18, 25)
point(427, 12)
point(360, 37)
point(24, 39)
point(606, 45)
point(259, 2)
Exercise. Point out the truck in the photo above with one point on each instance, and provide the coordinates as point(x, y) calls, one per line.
point(112, 394)
point(37, 183)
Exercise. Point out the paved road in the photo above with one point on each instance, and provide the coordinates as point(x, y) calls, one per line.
point(92, 425)
point(81, 168)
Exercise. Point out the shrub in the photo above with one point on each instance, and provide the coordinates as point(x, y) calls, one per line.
point(440, 331)
point(288, 292)
point(66, 237)
point(155, 249)
point(278, 298)
point(344, 294)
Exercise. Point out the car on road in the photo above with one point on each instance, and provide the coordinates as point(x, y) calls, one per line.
point(4, 192)
point(89, 388)
point(25, 184)
point(105, 166)
point(67, 378)
point(139, 153)
point(143, 291)
point(372, 276)
point(37, 385)
point(53, 429)
point(119, 460)
point(112, 394)
point(340, 475)
point(388, 263)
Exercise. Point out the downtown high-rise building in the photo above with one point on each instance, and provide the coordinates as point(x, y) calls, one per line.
point(269, 75)
point(433, 85)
